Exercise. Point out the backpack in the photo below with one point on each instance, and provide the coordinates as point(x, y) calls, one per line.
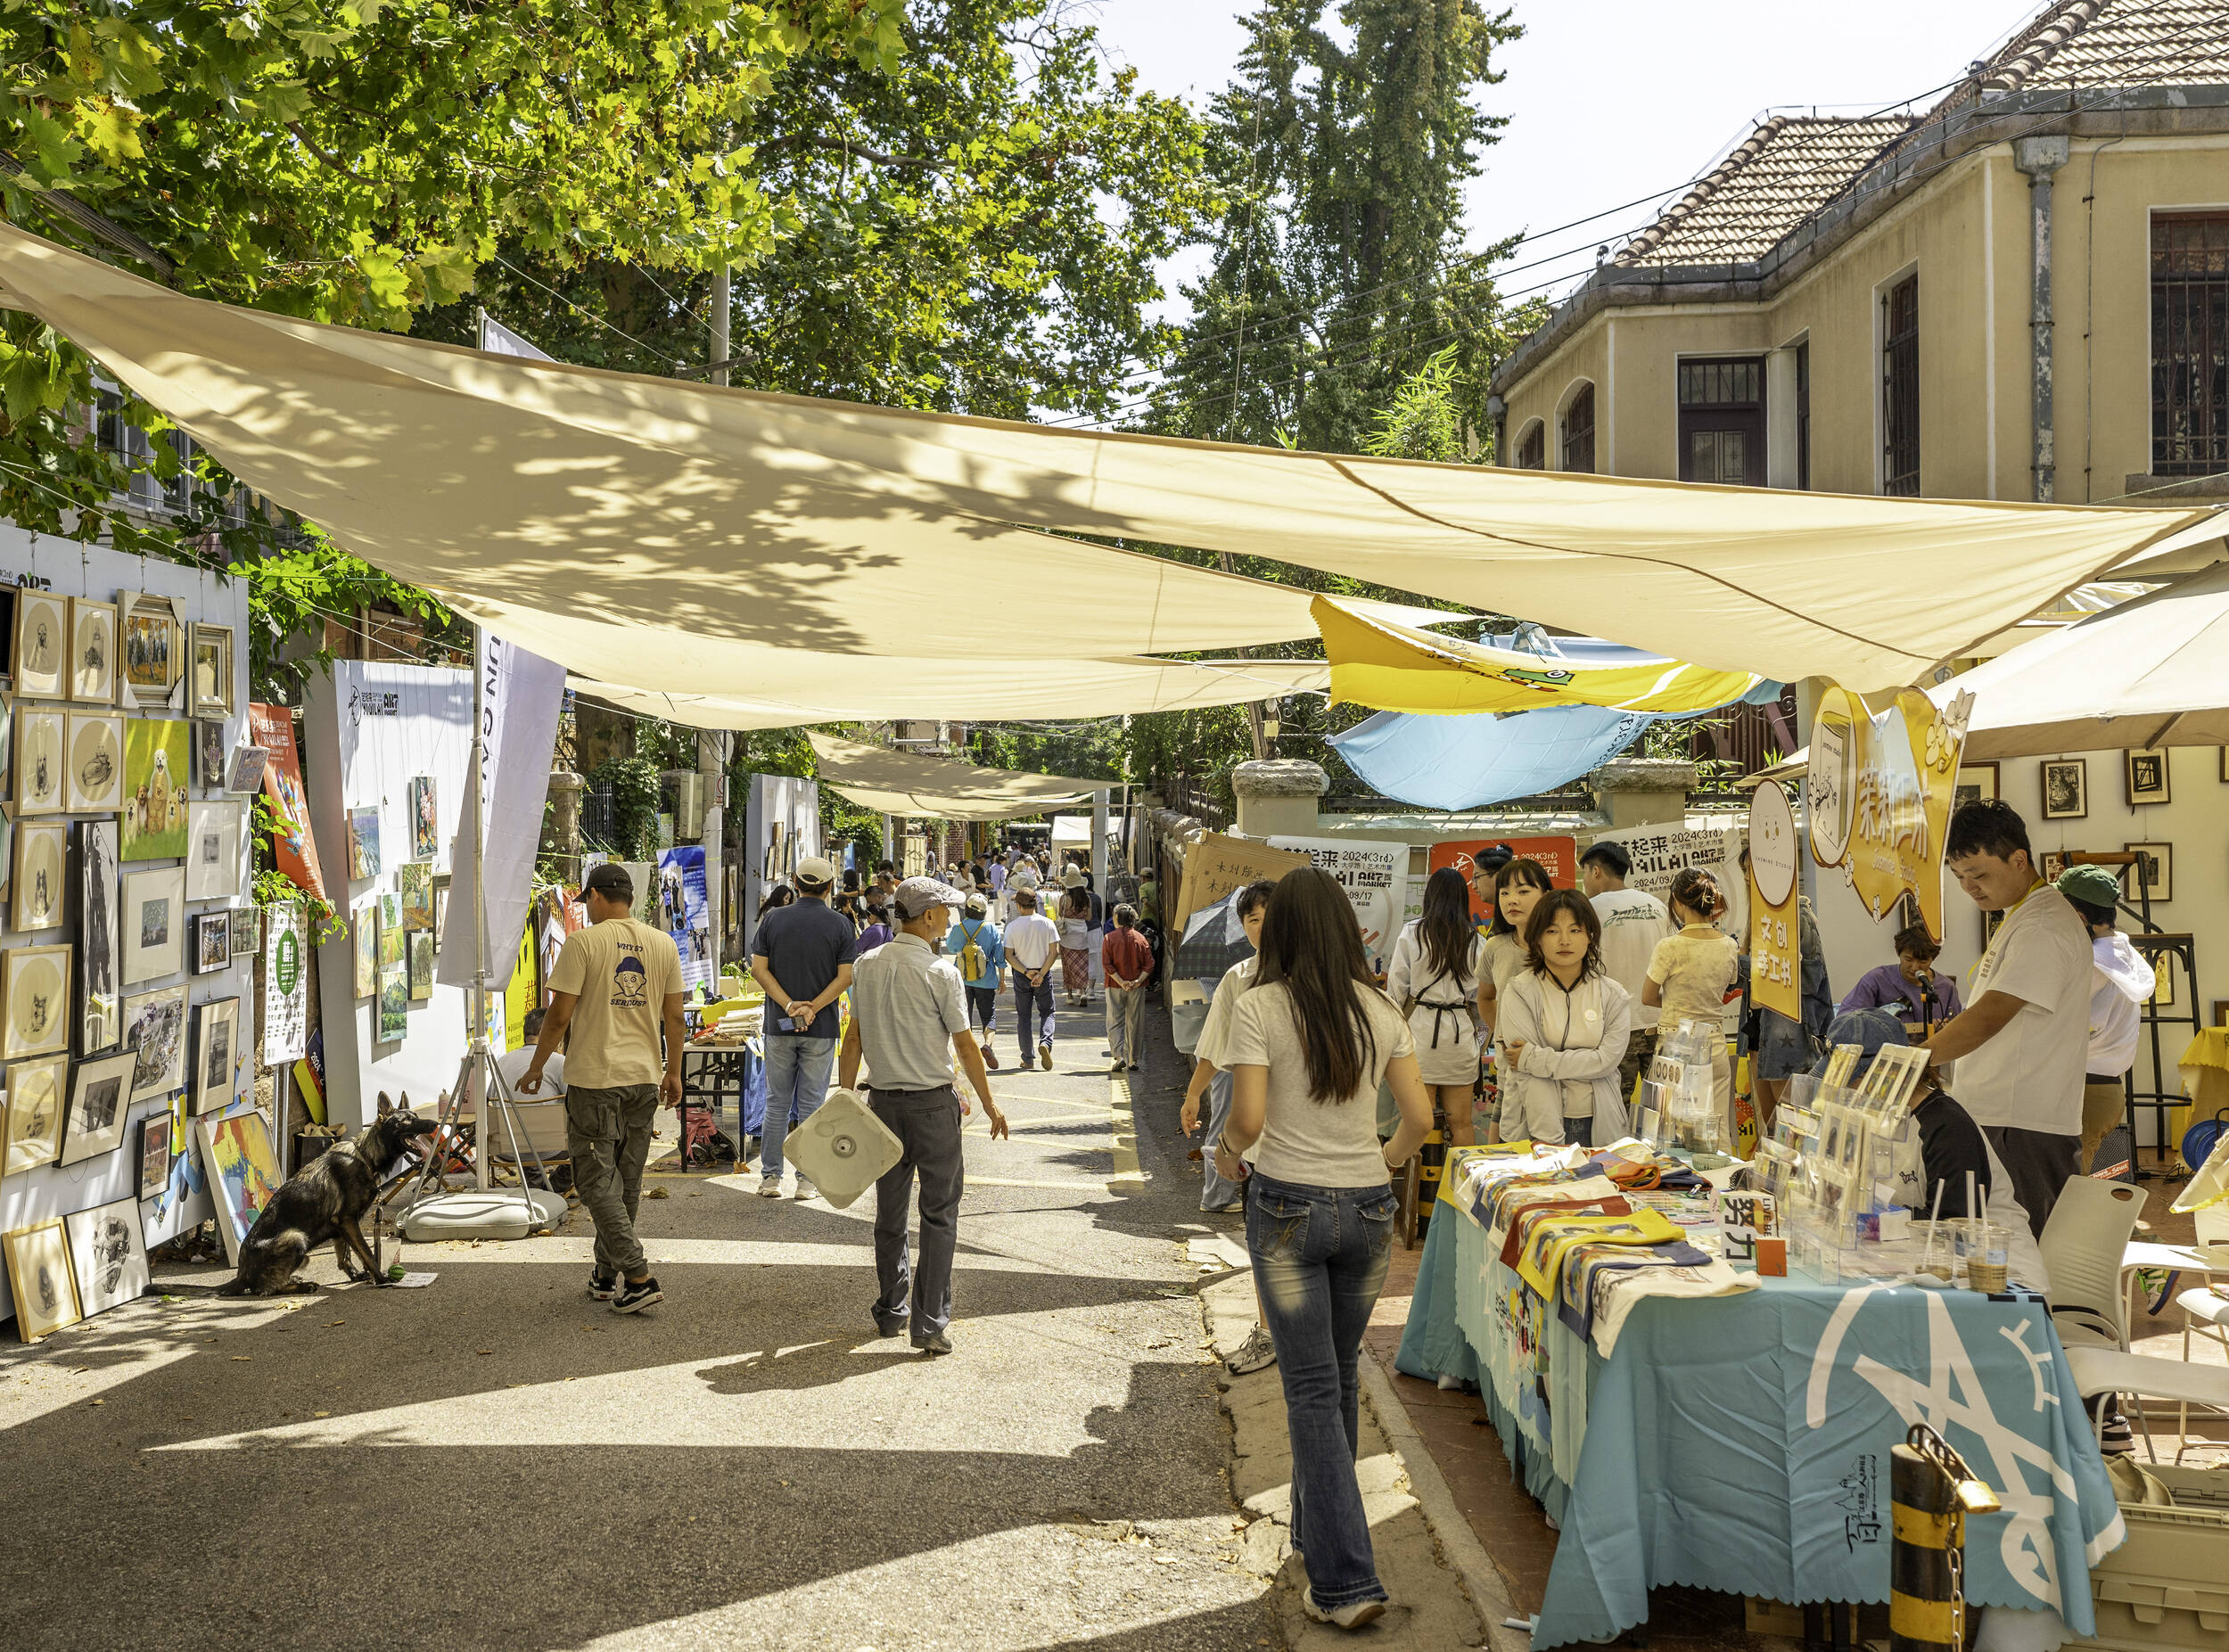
point(973, 965)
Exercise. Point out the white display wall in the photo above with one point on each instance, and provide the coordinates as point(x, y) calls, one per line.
point(64, 569)
point(369, 731)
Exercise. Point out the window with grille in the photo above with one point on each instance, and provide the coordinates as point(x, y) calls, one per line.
point(2190, 343)
point(1803, 416)
point(1900, 388)
point(1532, 448)
point(1578, 431)
point(1722, 421)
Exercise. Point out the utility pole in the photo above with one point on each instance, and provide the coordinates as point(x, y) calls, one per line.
point(713, 745)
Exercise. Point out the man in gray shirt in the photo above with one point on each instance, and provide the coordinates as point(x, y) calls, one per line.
point(910, 1021)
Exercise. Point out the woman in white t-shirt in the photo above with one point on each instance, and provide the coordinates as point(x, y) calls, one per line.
point(1433, 974)
point(1312, 1040)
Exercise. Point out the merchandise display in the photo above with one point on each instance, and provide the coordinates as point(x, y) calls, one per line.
point(40, 736)
point(154, 1037)
point(154, 925)
point(36, 890)
point(216, 1053)
point(108, 1255)
point(151, 650)
point(40, 1279)
point(42, 648)
point(157, 751)
point(95, 781)
point(93, 651)
point(212, 848)
point(99, 906)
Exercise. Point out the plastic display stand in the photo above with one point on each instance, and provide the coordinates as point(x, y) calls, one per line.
point(843, 1149)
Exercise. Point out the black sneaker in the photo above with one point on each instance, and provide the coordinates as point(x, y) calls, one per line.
point(633, 1297)
point(603, 1286)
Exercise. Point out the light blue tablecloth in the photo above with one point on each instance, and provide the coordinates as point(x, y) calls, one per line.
point(1741, 1443)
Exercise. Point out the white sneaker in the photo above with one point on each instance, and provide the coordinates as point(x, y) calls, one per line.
point(1256, 1353)
point(1351, 1615)
point(769, 1186)
point(804, 1190)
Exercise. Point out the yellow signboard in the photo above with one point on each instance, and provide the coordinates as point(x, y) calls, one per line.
point(1878, 792)
point(1775, 932)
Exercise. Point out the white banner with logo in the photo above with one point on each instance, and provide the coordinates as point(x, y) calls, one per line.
point(1374, 874)
point(520, 696)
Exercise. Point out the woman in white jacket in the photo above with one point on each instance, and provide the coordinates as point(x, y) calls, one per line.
point(1434, 975)
point(1562, 1027)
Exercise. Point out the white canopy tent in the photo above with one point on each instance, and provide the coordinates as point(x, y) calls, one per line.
point(2152, 671)
point(912, 783)
point(542, 497)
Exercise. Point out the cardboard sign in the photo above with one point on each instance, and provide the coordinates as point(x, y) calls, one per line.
point(1559, 855)
point(1375, 875)
point(1880, 787)
point(1216, 865)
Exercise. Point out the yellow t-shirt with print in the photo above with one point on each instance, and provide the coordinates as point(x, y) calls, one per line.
point(621, 974)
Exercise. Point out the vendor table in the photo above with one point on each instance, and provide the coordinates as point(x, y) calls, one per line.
point(717, 1074)
point(1741, 1442)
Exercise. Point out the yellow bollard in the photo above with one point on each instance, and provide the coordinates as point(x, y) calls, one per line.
point(1931, 1491)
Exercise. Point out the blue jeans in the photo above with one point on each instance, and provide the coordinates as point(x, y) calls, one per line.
point(1028, 1019)
point(1320, 1256)
point(1215, 1194)
point(797, 1072)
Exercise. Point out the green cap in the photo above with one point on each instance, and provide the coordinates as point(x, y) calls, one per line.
point(2093, 885)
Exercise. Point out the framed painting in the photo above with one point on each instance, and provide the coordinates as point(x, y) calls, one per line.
point(2163, 982)
point(1977, 782)
point(245, 771)
point(34, 995)
point(40, 1279)
point(425, 820)
point(7, 746)
point(209, 665)
point(39, 1107)
point(212, 941)
point(2067, 789)
point(42, 645)
point(34, 1123)
point(420, 965)
point(364, 935)
point(216, 1052)
point(441, 908)
point(415, 879)
point(154, 925)
point(41, 737)
point(111, 1257)
point(392, 952)
point(35, 890)
point(363, 843)
point(154, 1154)
point(247, 931)
point(209, 753)
point(156, 752)
point(2054, 865)
point(2153, 873)
point(93, 651)
point(154, 1039)
point(213, 829)
point(99, 1101)
point(94, 780)
point(151, 650)
point(394, 1003)
point(2149, 777)
point(243, 1172)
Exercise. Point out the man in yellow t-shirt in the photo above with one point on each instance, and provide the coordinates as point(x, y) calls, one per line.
point(616, 988)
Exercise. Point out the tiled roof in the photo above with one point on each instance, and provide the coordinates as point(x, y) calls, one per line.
point(2117, 43)
point(1775, 178)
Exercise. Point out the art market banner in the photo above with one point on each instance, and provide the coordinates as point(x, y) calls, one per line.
point(781, 826)
point(521, 695)
point(1375, 875)
point(1559, 855)
point(685, 913)
point(293, 849)
point(1879, 792)
point(285, 983)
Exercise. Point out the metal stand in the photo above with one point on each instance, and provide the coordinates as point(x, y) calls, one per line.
point(2162, 951)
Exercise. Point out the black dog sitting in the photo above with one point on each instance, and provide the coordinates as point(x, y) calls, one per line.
point(326, 1199)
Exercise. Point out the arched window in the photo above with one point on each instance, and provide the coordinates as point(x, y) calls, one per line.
point(1532, 448)
point(1578, 430)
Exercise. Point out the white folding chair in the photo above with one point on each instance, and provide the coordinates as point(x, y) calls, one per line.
point(2205, 1309)
point(2082, 1245)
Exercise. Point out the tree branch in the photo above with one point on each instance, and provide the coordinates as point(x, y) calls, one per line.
point(295, 127)
point(840, 146)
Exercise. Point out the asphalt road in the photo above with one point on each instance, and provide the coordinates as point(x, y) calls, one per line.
point(497, 1461)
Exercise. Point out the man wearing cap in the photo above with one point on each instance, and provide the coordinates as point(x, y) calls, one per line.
point(2119, 983)
point(973, 945)
point(802, 956)
point(909, 1022)
point(2021, 1041)
point(616, 986)
point(1032, 942)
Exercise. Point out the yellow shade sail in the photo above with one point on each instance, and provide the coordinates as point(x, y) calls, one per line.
point(1398, 668)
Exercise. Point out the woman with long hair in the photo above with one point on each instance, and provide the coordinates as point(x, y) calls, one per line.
point(1563, 1028)
point(1517, 887)
point(1434, 973)
point(1075, 944)
point(779, 896)
point(1312, 1040)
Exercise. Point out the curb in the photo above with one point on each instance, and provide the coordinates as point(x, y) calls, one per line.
point(1460, 1546)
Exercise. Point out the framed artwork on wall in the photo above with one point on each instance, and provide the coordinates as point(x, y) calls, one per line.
point(41, 1279)
point(98, 1103)
point(151, 650)
point(209, 656)
point(154, 925)
point(216, 1052)
point(394, 1002)
point(42, 645)
point(2054, 865)
point(110, 1257)
point(35, 1120)
point(425, 827)
point(363, 842)
point(210, 754)
point(35, 891)
point(154, 1039)
point(95, 782)
point(364, 931)
point(154, 1154)
point(420, 965)
point(246, 773)
point(92, 650)
point(247, 931)
point(243, 1172)
point(2147, 776)
point(1975, 783)
point(212, 848)
point(2067, 789)
point(34, 1000)
point(2154, 869)
point(212, 941)
point(100, 907)
point(40, 736)
point(157, 750)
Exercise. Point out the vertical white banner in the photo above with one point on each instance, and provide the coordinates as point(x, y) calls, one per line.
point(521, 695)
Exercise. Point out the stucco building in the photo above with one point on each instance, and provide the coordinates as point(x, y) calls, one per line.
point(2021, 293)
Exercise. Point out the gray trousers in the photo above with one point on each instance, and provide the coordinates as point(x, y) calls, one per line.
point(607, 1132)
point(1125, 1021)
point(1215, 1194)
point(926, 1124)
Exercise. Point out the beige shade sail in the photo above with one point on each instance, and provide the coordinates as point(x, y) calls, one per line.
point(666, 506)
point(907, 783)
point(804, 688)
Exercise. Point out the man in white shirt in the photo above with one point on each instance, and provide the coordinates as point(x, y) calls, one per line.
point(2022, 1041)
point(1033, 946)
point(2122, 983)
point(1633, 922)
